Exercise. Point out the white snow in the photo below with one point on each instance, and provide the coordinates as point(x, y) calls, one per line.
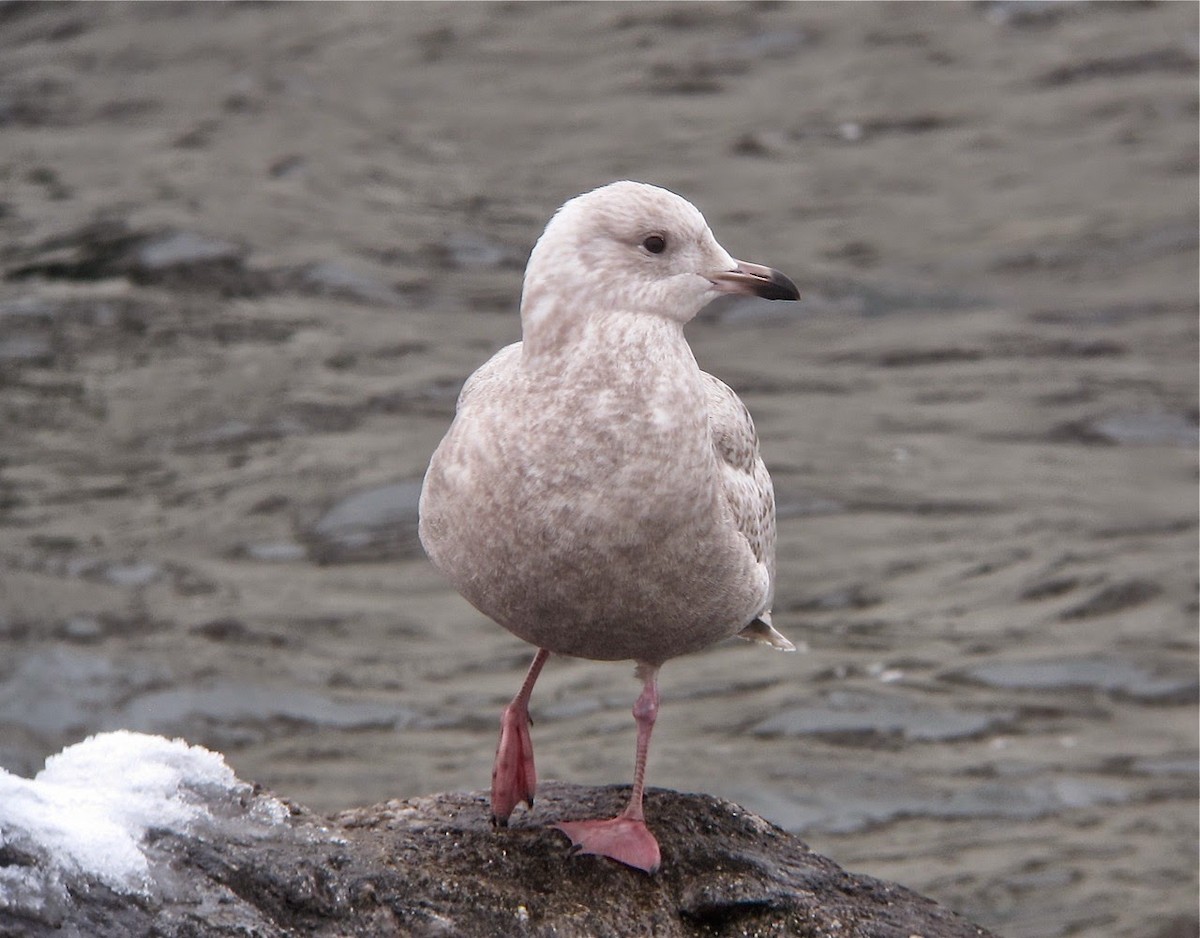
point(88, 811)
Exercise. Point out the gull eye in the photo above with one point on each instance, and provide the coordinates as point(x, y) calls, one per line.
point(655, 244)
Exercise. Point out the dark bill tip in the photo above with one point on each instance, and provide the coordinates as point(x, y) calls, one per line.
point(778, 286)
point(756, 280)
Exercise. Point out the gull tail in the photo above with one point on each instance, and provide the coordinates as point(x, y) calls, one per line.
point(761, 631)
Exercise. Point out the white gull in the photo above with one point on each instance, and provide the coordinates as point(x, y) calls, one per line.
point(598, 494)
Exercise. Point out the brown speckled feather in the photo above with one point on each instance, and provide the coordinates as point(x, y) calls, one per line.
point(598, 494)
point(748, 491)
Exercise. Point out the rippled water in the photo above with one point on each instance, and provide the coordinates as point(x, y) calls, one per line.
point(215, 409)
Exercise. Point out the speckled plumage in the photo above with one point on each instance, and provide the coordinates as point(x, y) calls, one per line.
point(598, 494)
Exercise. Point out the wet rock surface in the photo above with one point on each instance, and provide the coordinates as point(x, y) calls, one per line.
point(249, 253)
point(435, 865)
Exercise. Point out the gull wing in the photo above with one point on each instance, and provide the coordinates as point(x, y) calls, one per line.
point(748, 492)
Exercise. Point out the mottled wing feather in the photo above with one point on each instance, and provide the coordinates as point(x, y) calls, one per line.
point(748, 489)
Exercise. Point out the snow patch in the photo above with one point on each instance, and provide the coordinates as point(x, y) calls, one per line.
point(87, 813)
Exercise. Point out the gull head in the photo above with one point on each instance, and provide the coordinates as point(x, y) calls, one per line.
point(634, 248)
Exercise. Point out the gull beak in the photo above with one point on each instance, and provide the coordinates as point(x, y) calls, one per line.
point(754, 280)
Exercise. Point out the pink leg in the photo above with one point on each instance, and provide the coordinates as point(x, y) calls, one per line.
point(626, 838)
point(513, 775)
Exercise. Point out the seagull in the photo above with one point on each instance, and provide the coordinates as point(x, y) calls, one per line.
point(597, 494)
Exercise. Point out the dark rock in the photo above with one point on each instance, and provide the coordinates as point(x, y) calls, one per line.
point(435, 866)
